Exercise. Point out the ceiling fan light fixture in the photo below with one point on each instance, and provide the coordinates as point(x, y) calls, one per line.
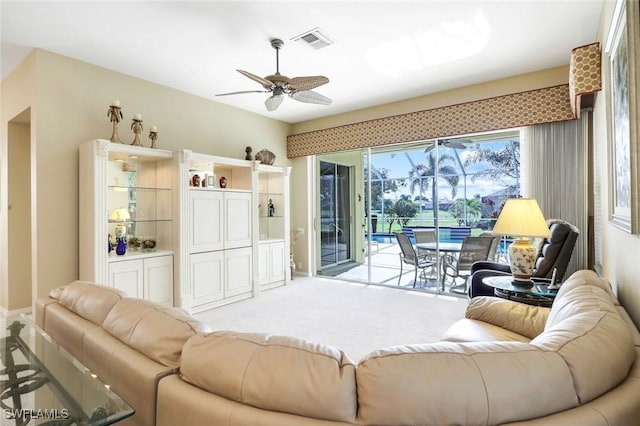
point(298, 88)
point(273, 102)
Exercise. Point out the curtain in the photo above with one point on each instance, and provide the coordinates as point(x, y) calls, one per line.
point(555, 172)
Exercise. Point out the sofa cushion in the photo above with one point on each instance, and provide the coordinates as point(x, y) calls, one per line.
point(89, 300)
point(274, 373)
point(585, 278)
point(588, 332)
point(448, 383)
point(470, 330)
point(157, 331)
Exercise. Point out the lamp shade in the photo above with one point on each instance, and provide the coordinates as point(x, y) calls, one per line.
point(521, 217)
point(120, 215)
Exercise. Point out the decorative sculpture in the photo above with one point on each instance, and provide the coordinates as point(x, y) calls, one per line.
point(153, 135)
point(136, 126)
point(115, 115)
point(248, 151)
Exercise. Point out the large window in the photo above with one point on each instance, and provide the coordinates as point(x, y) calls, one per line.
point(457, 186)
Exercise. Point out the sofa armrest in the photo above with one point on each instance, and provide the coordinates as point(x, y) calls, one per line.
point(523, 319)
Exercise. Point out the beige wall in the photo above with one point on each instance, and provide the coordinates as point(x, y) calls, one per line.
point(621, 250)
point(19, 212)
point(17, 95)
point(69, 107)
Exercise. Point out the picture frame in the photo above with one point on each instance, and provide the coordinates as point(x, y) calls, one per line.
point(622, 105)
point(211, 181)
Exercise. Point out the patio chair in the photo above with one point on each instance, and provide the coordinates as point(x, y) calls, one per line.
point(409, 256)
point(424, 236)
point(474, 249)
point(493, 251)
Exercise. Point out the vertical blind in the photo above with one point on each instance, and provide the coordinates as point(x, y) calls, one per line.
point(555, 157)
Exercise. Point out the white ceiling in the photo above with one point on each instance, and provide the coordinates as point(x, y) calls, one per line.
point(428, 45)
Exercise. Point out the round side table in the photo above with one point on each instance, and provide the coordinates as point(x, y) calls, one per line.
point(536, 294)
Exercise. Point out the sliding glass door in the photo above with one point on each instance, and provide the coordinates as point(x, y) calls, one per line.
point(335, 214)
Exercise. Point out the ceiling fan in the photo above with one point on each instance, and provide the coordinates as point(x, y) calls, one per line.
point(298, 88)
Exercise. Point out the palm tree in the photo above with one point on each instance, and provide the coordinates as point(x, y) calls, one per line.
point(422, 174)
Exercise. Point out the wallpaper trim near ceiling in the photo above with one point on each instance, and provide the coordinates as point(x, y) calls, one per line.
point(539, 106)
point(585, 74)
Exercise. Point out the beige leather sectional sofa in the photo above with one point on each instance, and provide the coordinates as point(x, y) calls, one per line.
point(505, 363)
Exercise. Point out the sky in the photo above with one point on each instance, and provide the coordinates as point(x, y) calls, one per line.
point(399, 163)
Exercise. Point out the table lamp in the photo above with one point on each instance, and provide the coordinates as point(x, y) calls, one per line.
point(523, 219)
point(120, 215)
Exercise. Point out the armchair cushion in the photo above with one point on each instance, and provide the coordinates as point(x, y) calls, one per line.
point(525, 320)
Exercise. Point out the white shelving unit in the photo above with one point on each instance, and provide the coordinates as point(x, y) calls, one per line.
point(273, 226)
point(216, 228)
point(138, 181)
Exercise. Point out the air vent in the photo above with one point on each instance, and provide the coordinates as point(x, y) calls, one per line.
point(315, 38)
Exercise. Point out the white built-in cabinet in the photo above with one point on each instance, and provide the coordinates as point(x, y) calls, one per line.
point(219, 251)
point(214, 243)
point(128, 188)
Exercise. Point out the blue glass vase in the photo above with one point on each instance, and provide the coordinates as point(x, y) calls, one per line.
point(121, 247)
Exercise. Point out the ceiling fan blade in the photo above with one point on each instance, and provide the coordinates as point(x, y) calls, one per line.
point(263, 81)
point(273, 102)
point(244, 91)
point(307, 83)
point(310, 97)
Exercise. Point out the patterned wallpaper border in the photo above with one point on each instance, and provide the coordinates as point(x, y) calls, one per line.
point(538, 106)
point(585, 74)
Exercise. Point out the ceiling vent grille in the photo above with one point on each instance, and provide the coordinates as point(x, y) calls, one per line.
point(315, 38)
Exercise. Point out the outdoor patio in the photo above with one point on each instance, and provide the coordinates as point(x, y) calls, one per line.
point(385, 270)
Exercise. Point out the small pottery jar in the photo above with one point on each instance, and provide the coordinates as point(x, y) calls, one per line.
point(121, 247)
point(195, 180)
point(266, 157)
point(223, 182)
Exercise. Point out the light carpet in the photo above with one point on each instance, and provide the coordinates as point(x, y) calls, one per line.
point(355, 318)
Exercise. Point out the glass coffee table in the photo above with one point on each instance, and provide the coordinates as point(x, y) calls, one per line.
point(537, 293)
point(42, 384)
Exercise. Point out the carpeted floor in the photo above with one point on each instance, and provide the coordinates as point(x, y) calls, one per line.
point(353, 317)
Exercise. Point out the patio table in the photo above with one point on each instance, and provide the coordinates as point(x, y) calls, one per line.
point(443, 248)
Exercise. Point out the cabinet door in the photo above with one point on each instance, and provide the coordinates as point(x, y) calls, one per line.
point(238, 271)
point(158, 279)
point(127, 276)
point(276, 262)
point(263, 263)
point(206, 218)
point(238, 219)
point(206, 273)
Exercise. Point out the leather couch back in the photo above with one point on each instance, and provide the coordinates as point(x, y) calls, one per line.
point(274, 373)
point(91, 301)
point(157, 331)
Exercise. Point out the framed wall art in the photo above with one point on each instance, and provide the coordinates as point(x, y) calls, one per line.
point(622, 89)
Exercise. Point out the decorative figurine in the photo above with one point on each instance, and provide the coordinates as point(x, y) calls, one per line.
point(115, 115)
point(153, 135)
point(248, 151)
point(195, 180)
point(272, 208)
point(136, 126)
point(223, 182)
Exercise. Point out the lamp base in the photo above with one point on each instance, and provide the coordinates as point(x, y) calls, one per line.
point(522, 260)
point(522, 283)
